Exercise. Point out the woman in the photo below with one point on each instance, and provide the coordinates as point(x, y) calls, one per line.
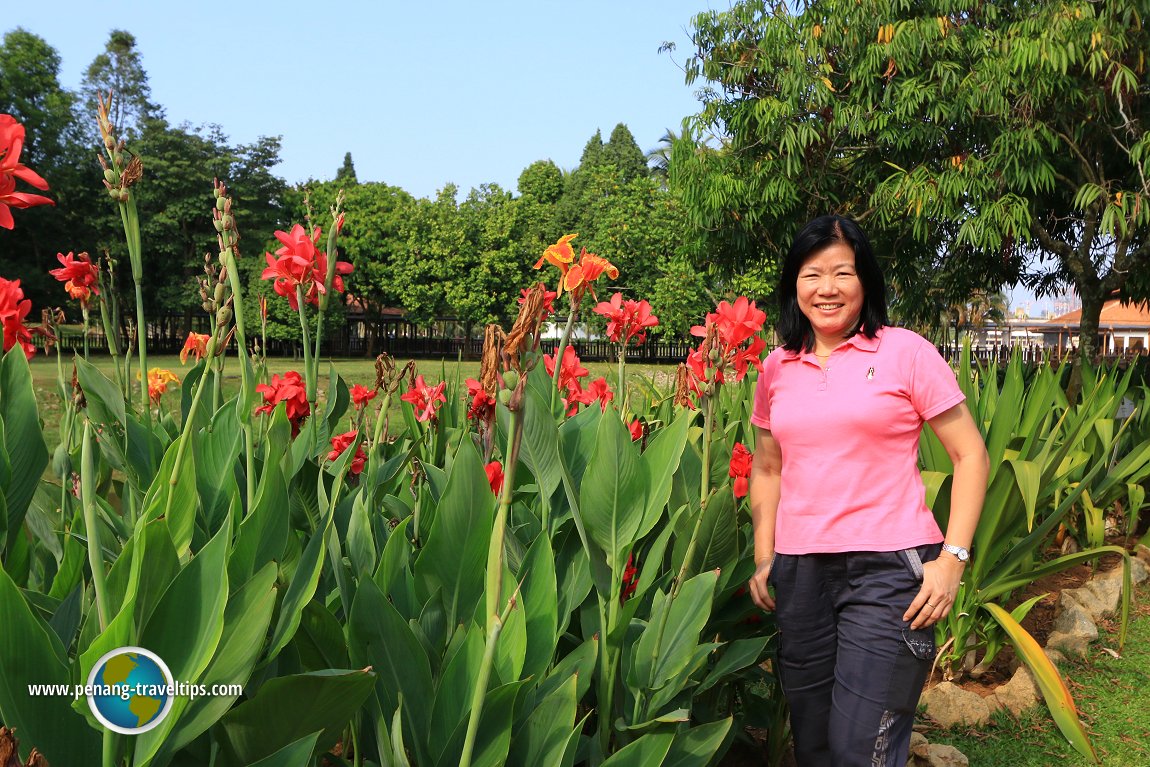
point(861, 571)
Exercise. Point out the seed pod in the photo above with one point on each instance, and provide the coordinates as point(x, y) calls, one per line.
point(220, 203)
point(224, 315)
point(505, 396)
point(219, 293)
point(510, 379)
point(110, 176)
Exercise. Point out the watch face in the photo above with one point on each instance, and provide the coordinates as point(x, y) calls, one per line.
point(959, 552)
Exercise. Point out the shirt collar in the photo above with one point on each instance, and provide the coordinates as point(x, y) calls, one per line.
point(857, 341)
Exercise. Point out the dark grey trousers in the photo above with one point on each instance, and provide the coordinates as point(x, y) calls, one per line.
point(850, 666)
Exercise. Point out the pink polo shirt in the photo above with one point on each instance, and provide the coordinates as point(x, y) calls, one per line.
point(849, 439)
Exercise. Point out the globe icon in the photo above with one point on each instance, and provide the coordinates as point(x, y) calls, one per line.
point(130, 690)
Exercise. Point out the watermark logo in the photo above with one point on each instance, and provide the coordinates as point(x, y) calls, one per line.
point(130, 690)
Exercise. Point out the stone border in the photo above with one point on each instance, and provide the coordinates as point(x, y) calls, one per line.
point(1075, 628)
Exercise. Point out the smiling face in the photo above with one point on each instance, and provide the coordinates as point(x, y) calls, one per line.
point(830, 294)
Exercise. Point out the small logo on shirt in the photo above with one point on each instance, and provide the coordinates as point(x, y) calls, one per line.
point(870, 374)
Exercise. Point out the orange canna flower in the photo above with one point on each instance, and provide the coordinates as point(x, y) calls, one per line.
point(158, 381)
point(197, 344)
point(559, 255)
point(590, 267)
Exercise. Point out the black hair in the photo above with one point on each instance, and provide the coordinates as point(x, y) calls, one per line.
point(793, 326)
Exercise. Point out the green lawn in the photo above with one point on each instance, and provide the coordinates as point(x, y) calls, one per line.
point(1113, 698)
point(354, 371)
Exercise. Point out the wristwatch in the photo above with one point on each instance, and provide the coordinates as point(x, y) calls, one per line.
point(961, 554)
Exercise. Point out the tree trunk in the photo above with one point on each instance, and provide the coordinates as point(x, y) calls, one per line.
point(1092, 301)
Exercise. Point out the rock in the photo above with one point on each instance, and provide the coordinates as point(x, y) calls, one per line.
point(1054, 655)
point(1074, 619)
point(1019, 694)
point(948, 704)
point(1107, 590)
point(1141, 551)
point(918, 746)
point(1139, 570)
point(1085, 598)
point(946, 756)
point(1068, 644)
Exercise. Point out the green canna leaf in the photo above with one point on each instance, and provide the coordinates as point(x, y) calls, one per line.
point(697, 746)
point(735, 656)
point(180, 513)
point(613, 480)
point(647, 750)
point(22, 441)
point(298, 753)
point(456, 548)
point(264, 532)
point(286, 709)
point(494, 734)
point(379, 637)
point(542, 739)
point(454, 688)
point(540, 607)
point(30, 653)
point(247, 617)
point(302, 588)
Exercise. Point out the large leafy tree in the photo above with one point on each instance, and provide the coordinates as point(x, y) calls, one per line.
point(119, 69)
point(980, 143)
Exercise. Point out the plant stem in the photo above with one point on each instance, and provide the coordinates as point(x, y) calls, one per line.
point(91, 524)
point(704, 489)
point(559, 350)
point(246, 384)
point(620, 385)
point(480, 692)
point(84, 310)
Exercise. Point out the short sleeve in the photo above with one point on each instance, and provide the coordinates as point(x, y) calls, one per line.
point(761, 410)
point(934, 387)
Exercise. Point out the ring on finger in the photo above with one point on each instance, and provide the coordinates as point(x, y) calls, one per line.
point(928, 604)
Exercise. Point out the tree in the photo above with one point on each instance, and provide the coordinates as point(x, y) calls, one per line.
point(1002, 142)
point(622, 152)
point(120, 70)
point(346, 172)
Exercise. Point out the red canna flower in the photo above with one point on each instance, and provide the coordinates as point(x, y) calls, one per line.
point(560, 254)
point(342, 442)
point(636, 429)
point(298, 263)
point(361, 395)
point(570, 370)
point(319, 276)
point(495, 476)
point(740, 468)
point(598, 390)
point(79, 274)
point(482, 404)
point(630, 579)
point(292, 391)
point(425, 399)
point(730, 327)
point(736, 323)
point(197, 344)
point(626, 319)
point(14, 309)
point(11, 145)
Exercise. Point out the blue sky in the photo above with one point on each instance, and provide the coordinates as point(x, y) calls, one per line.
point(421, 93)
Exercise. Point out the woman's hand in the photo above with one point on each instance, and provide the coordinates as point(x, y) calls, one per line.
point(758, 585)
point(940, 581)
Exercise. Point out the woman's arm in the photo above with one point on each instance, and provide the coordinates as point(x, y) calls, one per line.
point(766, 475)
point(956, 430)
